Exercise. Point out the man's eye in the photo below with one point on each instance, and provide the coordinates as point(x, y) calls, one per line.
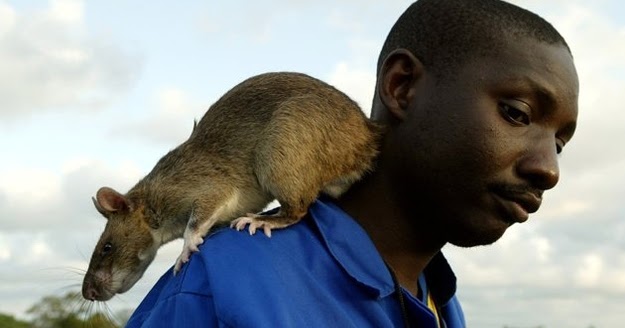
point(514, 115)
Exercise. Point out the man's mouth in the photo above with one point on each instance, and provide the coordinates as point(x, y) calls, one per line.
point(518, 202)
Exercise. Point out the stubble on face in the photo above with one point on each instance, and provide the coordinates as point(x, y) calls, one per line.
point(455, 152)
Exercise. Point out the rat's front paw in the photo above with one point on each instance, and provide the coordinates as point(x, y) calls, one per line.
point(191, 243)
point(254, 222)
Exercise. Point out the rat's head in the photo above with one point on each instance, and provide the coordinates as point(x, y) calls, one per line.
point(124, 250)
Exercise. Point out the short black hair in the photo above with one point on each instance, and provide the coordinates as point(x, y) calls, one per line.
point(443, 34)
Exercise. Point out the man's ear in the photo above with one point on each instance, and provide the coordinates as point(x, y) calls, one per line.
point(108, 201)
point(397, 81)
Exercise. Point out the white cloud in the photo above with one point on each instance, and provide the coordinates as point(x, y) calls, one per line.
point(355, 82)
point(39, 200)
point(54, 63)
point(590, 271)
point(30, 186)
point(67, 11)
point(338, 19)
point(5, 251)
point(257, 23)
point(172, 121)
point(7, 19)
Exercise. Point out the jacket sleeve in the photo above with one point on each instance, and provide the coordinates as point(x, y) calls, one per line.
point(184, 300)
point(178, 310)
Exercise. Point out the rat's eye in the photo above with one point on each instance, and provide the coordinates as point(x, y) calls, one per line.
point(514, 112)
point(107, 249)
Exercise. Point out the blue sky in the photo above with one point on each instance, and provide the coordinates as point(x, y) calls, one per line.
point(93, 93)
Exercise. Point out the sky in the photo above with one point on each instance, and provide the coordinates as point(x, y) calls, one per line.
point(92, 94)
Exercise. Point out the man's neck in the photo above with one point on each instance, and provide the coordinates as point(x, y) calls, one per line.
point(403, 239)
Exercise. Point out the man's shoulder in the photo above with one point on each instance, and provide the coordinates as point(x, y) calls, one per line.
point(229, 245)
point(229, 257)
point(227, 253)
point(232, 266)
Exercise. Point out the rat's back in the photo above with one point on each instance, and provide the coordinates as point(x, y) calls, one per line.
point(239, 120)
point(283, 136)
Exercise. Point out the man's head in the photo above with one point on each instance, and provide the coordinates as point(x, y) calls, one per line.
point(443, 34)
point(480, 96)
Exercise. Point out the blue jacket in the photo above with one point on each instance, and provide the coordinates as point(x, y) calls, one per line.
point(322, 272)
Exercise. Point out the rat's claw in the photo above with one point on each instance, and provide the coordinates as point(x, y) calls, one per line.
point(252, 228)
point(194, 247)
point(267, 230)
point(253, 223)
point(191, 243)
point(240, 223)
point(182, 259)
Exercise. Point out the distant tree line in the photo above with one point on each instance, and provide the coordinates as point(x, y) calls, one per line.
point(67, 311)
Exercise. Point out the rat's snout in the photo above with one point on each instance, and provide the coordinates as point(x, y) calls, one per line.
point(89, 292)
point(97, 287)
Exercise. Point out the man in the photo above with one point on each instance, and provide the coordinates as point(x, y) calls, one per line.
point(478, 97)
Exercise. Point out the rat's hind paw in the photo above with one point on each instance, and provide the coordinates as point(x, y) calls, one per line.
point(191, 243)
point(255, 221)
point(182, 259)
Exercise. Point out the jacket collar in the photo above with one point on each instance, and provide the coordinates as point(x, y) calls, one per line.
point(352, 248)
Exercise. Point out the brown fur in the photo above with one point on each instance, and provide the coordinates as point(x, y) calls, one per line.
point(284, 136)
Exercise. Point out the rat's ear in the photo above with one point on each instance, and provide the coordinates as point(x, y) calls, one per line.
point(194, 127)
point(397, 82)
point(108, 201)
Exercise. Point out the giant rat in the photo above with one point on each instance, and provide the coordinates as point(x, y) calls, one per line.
point(283, 136)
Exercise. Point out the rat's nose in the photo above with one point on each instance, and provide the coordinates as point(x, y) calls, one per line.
point(89, 292)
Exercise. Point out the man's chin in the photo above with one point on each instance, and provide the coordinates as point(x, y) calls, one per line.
point(477, 237)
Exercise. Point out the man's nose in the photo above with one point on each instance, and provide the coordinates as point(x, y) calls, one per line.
point(539, 166)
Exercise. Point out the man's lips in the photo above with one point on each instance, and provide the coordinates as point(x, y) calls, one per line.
point(518, 202)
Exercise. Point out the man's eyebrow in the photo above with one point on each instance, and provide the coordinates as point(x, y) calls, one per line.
point(544, 95)
point(546, 98)
point(549, 102)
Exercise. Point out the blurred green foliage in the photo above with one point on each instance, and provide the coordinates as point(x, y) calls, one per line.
point(67, 311)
